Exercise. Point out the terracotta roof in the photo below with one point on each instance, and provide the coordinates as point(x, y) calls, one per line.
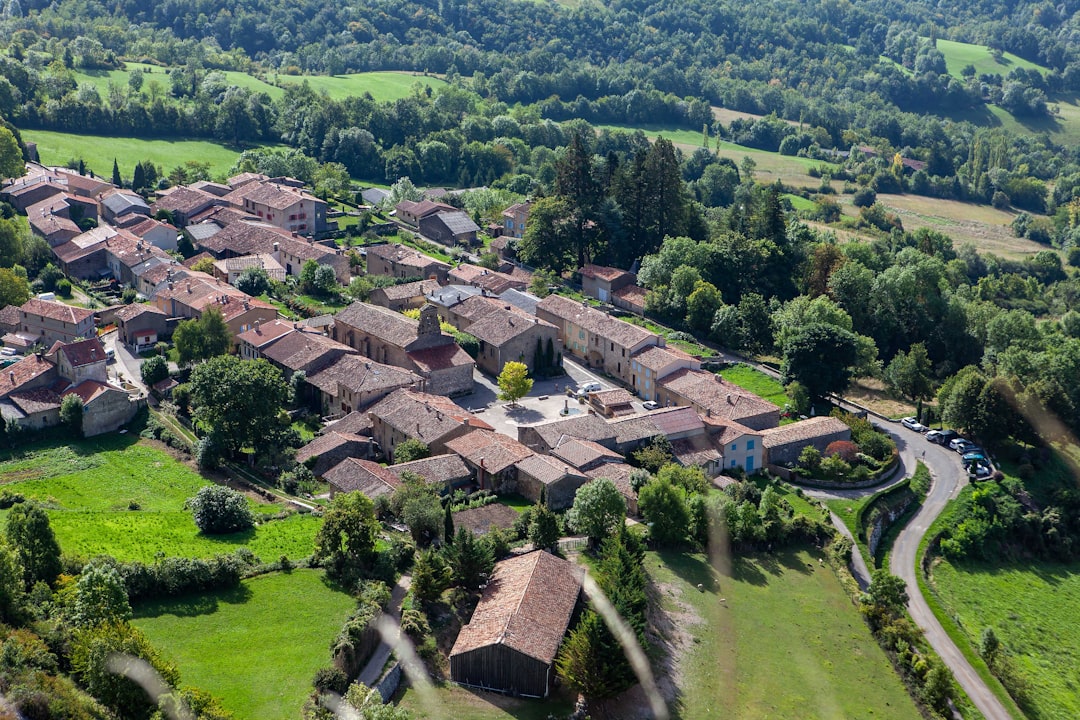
point(36, 401)
point(90, 185)
point(441, 357)
point(243, 238)
point(244, 178)
point(658, 358)
point(9, 315)
point(331, 441)
point(491, 450)
point(262, 334)
point(372, 479)
point(632, 295)
point(612, 398)
point(89, 390)
point(129, 312)
point(185, 201)
point(802, 431)
point(356, 423)
point(583, 453)
point(726, 431)
point(526, 606)
point(210, 221)
point(436, 470)
point(408, 290)
point(674, 420)
point(421, 415)
point(618, 473)
point(586, 427)
point(307, 351)
point(422, 208)
point(602, 272)
point(545, 469)
point(713, 394)
point(361, 375)
point(501, 326)
point(697, 450)
point(597, 322)
point(141, 228)
point(479, 521)
point(491, 280)
point(83, 352)
point(402, 255)
point(50, 224)
point(380, 322)
point(263, 192)
point(56, 311)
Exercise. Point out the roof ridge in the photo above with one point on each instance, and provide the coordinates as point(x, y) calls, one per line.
point(521, 598)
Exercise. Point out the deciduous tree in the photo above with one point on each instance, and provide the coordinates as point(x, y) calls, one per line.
point(202, 338)
point(346, 540)
point(31, 536)
point(598, 509)
point(514, 382)
point(220, 510)
point(239, 400)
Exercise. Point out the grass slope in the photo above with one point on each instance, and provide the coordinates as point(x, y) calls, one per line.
point(56, 148)
point(289, 620)
point(383, 86)
point(90, 486)
point(776, 637)
point(1032, 608)
point(959, 54)
point(756, 382)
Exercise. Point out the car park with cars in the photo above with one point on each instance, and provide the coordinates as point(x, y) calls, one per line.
point(942, 437)
point(912, 423)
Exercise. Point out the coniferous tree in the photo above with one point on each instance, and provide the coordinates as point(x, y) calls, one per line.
point(116, 180)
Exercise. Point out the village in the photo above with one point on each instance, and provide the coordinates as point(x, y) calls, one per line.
point(387, 371)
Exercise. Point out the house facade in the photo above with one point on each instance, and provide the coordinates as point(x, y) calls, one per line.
point(398, 261)
point(602, 282)
point(515, 218)
point(50, 322)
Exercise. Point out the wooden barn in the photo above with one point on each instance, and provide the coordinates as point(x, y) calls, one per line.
point(511, 641)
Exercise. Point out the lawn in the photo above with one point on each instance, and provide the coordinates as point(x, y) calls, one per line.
point(774, 637)
point(256, 648)
point(383, 86)
point(122, 496)
point(1032, 607)
point(757, 382)
point(98, 152)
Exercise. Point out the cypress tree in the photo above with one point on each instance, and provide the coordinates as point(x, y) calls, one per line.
point(448, 525)
point(139, 179)
point(116, 179)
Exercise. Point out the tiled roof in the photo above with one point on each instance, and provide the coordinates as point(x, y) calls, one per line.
point(501, 326)
point(726, 431)
point(602, 272)
point(210, 221)
point(331, 441)
point(361, 375)
point(141, 228)
point(441, 357)
point(634, 429)
point(658, 358)
point(586, 427)
point(526, 606)
point(404, 256)
point(89, 390)
point(196, 259)
point(479, 521)
point(36, 401)
point(597, 322)
point(674, 420)
point(582, 453)
point(802, 431)
point(491, 450)
point(244, 178)
point(436, 470)
point(380, 322)
point(185, 200)
point(278, 197)
point(422, 208)
point(353, 474)
point(265, 333)
point(632, 295)
point(56, 311)
point(545, 469)
point(697, 450)
point(244, 238)
point(408, 290)
point(612, 398)
point(424, 416)
point(83, 352)
point(714, 395)
point(307, 351)
point(357, 423)
point(618, 473)
point(490, 280)
point(9, 315)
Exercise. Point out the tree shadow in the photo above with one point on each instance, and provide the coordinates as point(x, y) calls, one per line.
point(522, 414)
point(193, 604)
point(244, 537)
point(481, 397)
point(692, 569)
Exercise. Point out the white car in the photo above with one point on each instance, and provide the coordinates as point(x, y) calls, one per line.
point(589, 387)
point(912, 423)
point(650, 405)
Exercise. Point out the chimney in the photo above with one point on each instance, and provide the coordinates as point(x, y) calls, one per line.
point(247, 305)
point(729, 400)
point(11, 376)
point(189, 287)
point(258, 323)
point(418, 429)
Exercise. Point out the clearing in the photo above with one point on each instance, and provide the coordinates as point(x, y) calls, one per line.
point(383, 86)
point(773, 636)
point(960, 54)
point(291, 619)
point(123, 496)
point(1032, 607)
point(98, 152)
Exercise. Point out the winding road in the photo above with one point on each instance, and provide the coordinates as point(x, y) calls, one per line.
point(948, 480)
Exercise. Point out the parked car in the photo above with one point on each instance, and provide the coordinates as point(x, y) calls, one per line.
point(972, 457)
point(589, 387)
point(942, 437)
point(650, 404)
point(963, 446)
point(912, 423)
point(980, 471)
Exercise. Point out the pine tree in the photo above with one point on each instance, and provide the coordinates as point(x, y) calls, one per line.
point(116, 179)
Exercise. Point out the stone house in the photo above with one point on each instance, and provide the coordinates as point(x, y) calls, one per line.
point(230, 269)
point(356, 475)
point(432, 419)
point(352, 382)
point(290, 208)
point(183, 203)
point(412, 213)
point(601, 282)
point(161, 235)
point(332, 447)
point(80, 361)
point(408, 296)
point(545, 437)
point(490, 281)
point(492, 456)
point(651, 364)
point(117, 203)
point(515, 219)
point(784, 444)
point(446, 472)
point(398, 261)
point(557, 481)
point(50, 322)
point(714, 397)
point(511, 336)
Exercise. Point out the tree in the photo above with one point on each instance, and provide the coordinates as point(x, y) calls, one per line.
point(544, 528)
point(514, 382)
point(205, 265)
point(411, 449)
point(14, 290)
point(655, 455)
point(202, 338)
point(253, 281)
point(346, 541)
point(598, 509)
point(11, 159)
point(307, 276)
point(701, 306)
point(587, 657)
point(94, 651)
point(30, 535)
point(100, 597)
point(886, 591)
point(448, 523)
point(470, 560)
point(219, 510)
point(820, 358)
point(239, 400)
point(116, 179)
point(909, 373)
point(154, 370)
point(12, 590)
point(71, 413)
point(430, 575)
point(663, 506)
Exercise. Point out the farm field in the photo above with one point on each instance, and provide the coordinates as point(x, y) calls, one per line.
point(91, 487)
point(289, 618)
point(98, 152)
point(383, 86)
point(773, 636)
point(1032, 607)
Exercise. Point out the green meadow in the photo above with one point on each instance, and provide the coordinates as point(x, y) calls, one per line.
point(256, 647)
point(383, 86)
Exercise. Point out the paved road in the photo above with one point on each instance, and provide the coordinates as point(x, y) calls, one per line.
point(949, 478)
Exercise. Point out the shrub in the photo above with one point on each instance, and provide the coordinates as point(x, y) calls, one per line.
point(846, 449)
point(330, 679)
point(154, 370)
point(218, 510)
point(864, 197)
point(63, 287)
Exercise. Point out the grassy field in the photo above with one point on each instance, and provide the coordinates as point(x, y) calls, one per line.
point(756, 382)
point(123, 497)
point(774, 637)
point(451, 701)
point(958, 55)
point(1032, 607)
point(256, 648)
point(383, 86)
point(98, 152)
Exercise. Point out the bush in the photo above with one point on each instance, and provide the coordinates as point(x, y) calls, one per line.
point(330, 679)
point(846, 449)
point(63, 288)
point(219, 510)
point(864, 197)
point(154, 370)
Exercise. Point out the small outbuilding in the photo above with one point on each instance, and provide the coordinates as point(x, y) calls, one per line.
point(510, 643)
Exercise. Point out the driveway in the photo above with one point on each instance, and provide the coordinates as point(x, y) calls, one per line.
point(126, 367)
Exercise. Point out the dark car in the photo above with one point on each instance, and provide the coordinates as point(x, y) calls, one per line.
point(943, 437)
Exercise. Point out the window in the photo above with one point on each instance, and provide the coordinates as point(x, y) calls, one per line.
point(734, 446)
point(612, 347)
point(732, 463)
point(749, 444)
point(581, 334)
